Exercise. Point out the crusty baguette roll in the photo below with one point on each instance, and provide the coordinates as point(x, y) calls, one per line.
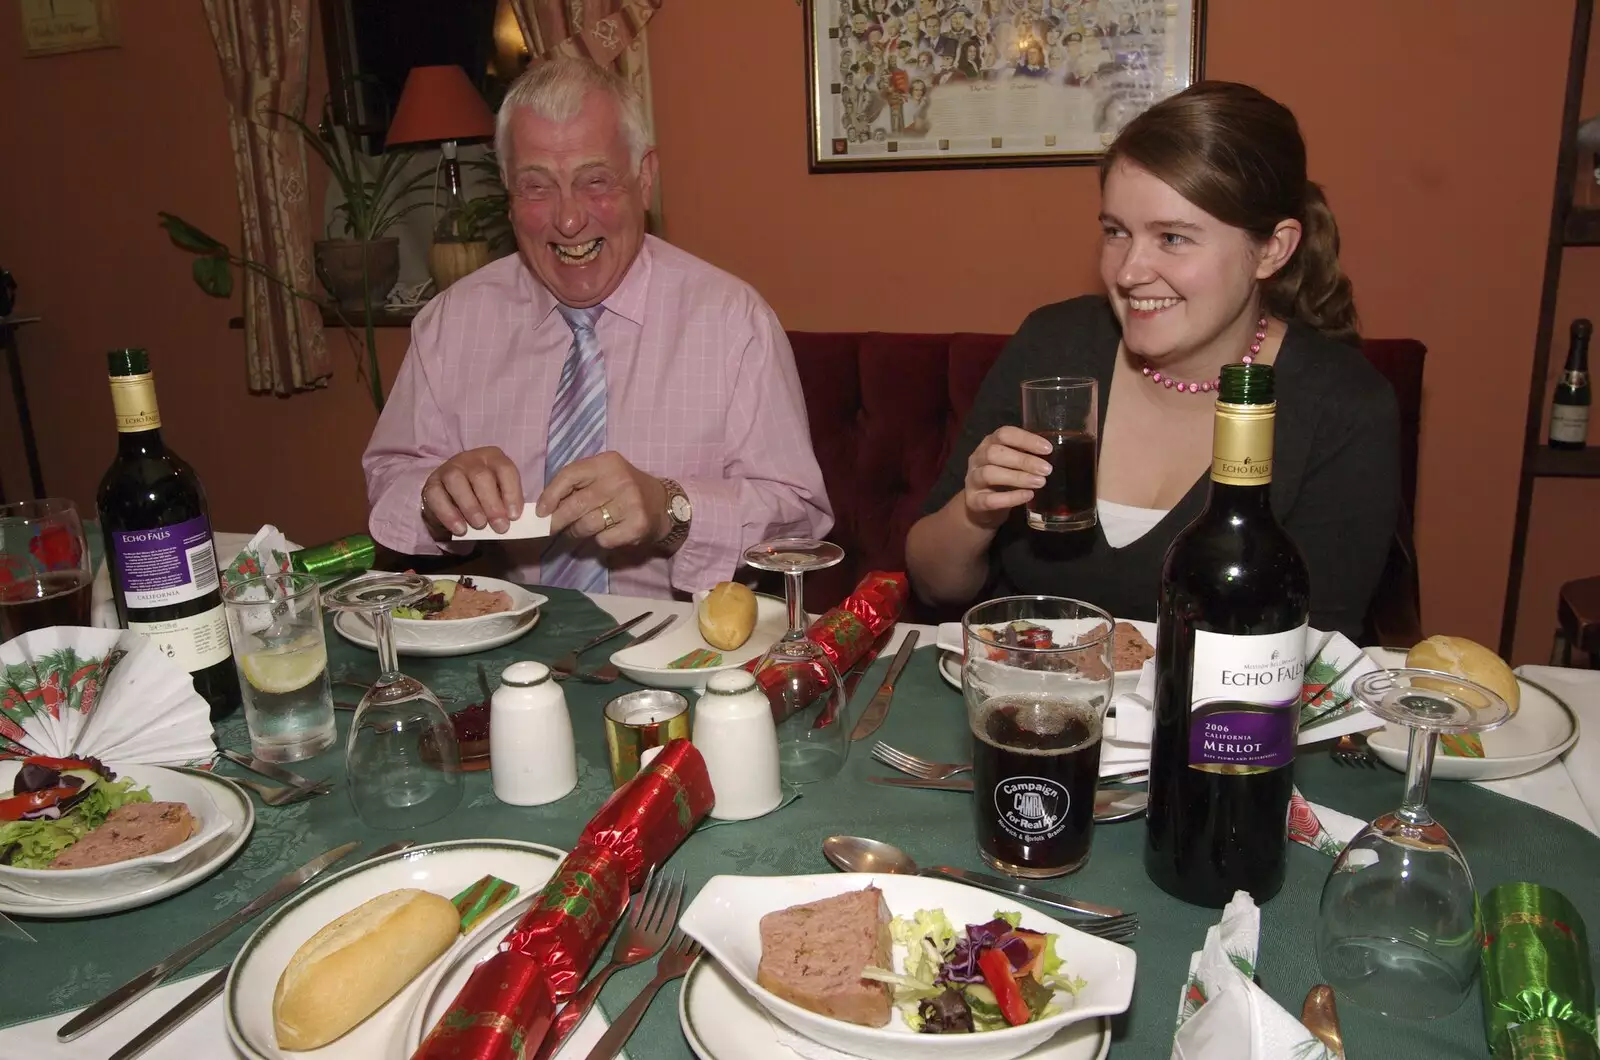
point(348, 970)
point(1464, 658)
point(728, 615)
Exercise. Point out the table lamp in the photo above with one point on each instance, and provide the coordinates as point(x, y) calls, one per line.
point(440, 106)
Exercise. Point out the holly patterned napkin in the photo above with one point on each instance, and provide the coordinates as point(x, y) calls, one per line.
point(1223, 1014)
point(267, 553)
point(1320, 827)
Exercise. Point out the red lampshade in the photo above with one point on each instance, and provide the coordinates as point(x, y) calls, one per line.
point(439, 104)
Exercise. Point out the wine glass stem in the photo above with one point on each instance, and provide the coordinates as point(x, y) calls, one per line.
point(797, 604)
point(1419, 769)
point(383, 631)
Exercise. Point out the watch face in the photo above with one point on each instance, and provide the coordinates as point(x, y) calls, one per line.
point(681, 510)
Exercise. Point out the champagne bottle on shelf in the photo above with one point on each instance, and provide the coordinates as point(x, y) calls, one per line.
point(159, 550)
point(1230, 661)
point(1569, 412)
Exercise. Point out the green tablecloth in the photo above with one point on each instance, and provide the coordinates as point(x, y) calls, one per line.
point(1503, 840)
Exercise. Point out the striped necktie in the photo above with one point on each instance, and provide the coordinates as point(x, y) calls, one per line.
point(577, 430)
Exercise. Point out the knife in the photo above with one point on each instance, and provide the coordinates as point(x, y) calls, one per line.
point(1022, 890)
point(878, 707)
point(267, 769)
point(952, 784)
point(863, 664)
point(1320, 1014)
point(10, 929)
point(147, 980)
point(202, 995)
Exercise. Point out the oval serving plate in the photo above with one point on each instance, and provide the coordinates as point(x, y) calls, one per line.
point(445, 868)
point(155, 880)
point(647, 663)
point(1542, 730)
point(721, 1022)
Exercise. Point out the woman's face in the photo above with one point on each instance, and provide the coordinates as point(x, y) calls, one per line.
point(1177, 277)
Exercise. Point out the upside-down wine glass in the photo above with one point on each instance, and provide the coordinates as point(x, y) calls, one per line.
point(402, 763)
point(1399, 930)
point(808, 699)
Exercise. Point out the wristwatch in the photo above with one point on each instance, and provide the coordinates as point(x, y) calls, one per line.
point(679, 510)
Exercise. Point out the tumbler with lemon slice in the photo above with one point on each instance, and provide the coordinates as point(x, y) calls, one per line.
point(275, 622)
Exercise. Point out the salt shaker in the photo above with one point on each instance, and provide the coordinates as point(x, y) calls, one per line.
point(532, 757)
point(735, 734)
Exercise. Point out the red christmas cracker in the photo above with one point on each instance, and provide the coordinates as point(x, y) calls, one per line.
point(568, 923)
point(844, 634)
point(501, 1014)
point(644, 820)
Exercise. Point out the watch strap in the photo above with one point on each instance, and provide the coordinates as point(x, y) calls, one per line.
point(680, 527)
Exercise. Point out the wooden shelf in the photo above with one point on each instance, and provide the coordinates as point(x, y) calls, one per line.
point(1566, 463)
point(1582, 227)
point(383, 318)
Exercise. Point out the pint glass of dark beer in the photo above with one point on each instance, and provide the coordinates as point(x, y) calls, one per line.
point(1064, 410)
point(1036, 675)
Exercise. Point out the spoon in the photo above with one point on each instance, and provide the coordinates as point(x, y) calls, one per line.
point(1321, 1017)
point(856, 854)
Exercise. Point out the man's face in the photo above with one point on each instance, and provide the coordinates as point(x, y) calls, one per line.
point(946, 62)
point(958, 21)
point(578, 204)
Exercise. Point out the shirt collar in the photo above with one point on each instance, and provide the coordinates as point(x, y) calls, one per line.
point(627, 301)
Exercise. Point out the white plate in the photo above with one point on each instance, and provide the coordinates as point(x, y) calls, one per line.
point(725, 918)
point(436, 639)
point(722, 1023)
point(445, 868)
point(231, 810)
point(1542, 730)
point(646, 663)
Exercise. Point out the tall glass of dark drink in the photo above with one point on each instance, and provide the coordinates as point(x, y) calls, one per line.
point(1036, 676)
point(45, 572)
point(1064, 410)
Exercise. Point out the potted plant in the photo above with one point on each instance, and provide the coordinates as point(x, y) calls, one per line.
point(361, 269)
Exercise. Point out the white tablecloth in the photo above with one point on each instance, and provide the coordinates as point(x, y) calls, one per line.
point(1569, 787)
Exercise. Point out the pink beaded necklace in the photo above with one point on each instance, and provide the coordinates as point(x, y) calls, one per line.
point(1167, 381)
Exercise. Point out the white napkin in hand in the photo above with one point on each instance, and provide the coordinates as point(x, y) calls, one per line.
point(1223, 1014)
point(526, 525)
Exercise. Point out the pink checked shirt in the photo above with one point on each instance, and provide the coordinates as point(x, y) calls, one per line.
point(701, 388)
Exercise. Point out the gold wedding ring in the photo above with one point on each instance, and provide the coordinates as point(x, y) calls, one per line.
point(606, 515)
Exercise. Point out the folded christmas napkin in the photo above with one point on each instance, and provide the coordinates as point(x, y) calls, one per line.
point(1223, 1014)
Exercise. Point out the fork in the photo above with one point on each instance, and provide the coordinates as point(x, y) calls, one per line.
point(651, 915)
point(682, 951)
point(1110, 928)
point(1351, 750)
point(277, 796)
point(920, 768)
point(567, 665)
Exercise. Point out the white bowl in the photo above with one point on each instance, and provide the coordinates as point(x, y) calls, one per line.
point(646, 663)
point(105, 881)
point(422, 633)
point(725, 918)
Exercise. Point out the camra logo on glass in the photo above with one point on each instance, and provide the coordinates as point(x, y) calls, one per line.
point(1031, 808)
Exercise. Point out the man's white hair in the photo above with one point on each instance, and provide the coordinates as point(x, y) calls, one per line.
point(556, 90)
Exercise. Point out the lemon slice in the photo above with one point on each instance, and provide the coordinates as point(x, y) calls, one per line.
point(284, 669)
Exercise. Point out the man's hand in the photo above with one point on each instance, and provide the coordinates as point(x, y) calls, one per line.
point(477, 488)
point(581, 496)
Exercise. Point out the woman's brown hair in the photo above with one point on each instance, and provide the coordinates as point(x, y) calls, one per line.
point(1238, 155)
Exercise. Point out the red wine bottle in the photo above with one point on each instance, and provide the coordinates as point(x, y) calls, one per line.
point(162, 560)
point(1569, 412)
point(1230, 661)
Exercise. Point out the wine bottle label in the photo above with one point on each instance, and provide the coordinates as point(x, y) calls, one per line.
point(1241, 444)
point(166, 565)
point(1569, 423)
point(1245, 700)
point(194, 643)
point(133, 399)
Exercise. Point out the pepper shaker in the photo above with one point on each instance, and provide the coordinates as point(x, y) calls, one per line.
point(532, 757)
point(735, 734)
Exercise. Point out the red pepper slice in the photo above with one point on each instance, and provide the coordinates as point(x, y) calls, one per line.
point(60, 765)
point(13, 808)
point(996, 971)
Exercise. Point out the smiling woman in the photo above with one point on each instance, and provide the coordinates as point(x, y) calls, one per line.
point(1216, 248)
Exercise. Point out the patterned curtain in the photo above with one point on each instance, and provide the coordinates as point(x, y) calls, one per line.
point(608, 31)
point(264, 48)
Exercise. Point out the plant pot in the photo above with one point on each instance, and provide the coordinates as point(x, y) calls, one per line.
point(339, 264)
point(450, 260)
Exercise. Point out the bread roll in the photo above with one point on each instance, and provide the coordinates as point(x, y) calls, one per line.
point(728, 615)
point(348, 970)
point(1464, 658)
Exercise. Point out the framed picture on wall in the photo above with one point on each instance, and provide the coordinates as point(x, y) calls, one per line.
point(907, 84)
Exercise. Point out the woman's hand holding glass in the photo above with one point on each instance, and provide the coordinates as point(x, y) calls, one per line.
point(1002, 473)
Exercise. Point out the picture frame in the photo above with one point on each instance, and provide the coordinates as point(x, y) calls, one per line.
point(55, 27)
point(994, 83)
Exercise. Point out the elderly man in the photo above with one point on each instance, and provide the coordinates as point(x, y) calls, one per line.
point(642, 399)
